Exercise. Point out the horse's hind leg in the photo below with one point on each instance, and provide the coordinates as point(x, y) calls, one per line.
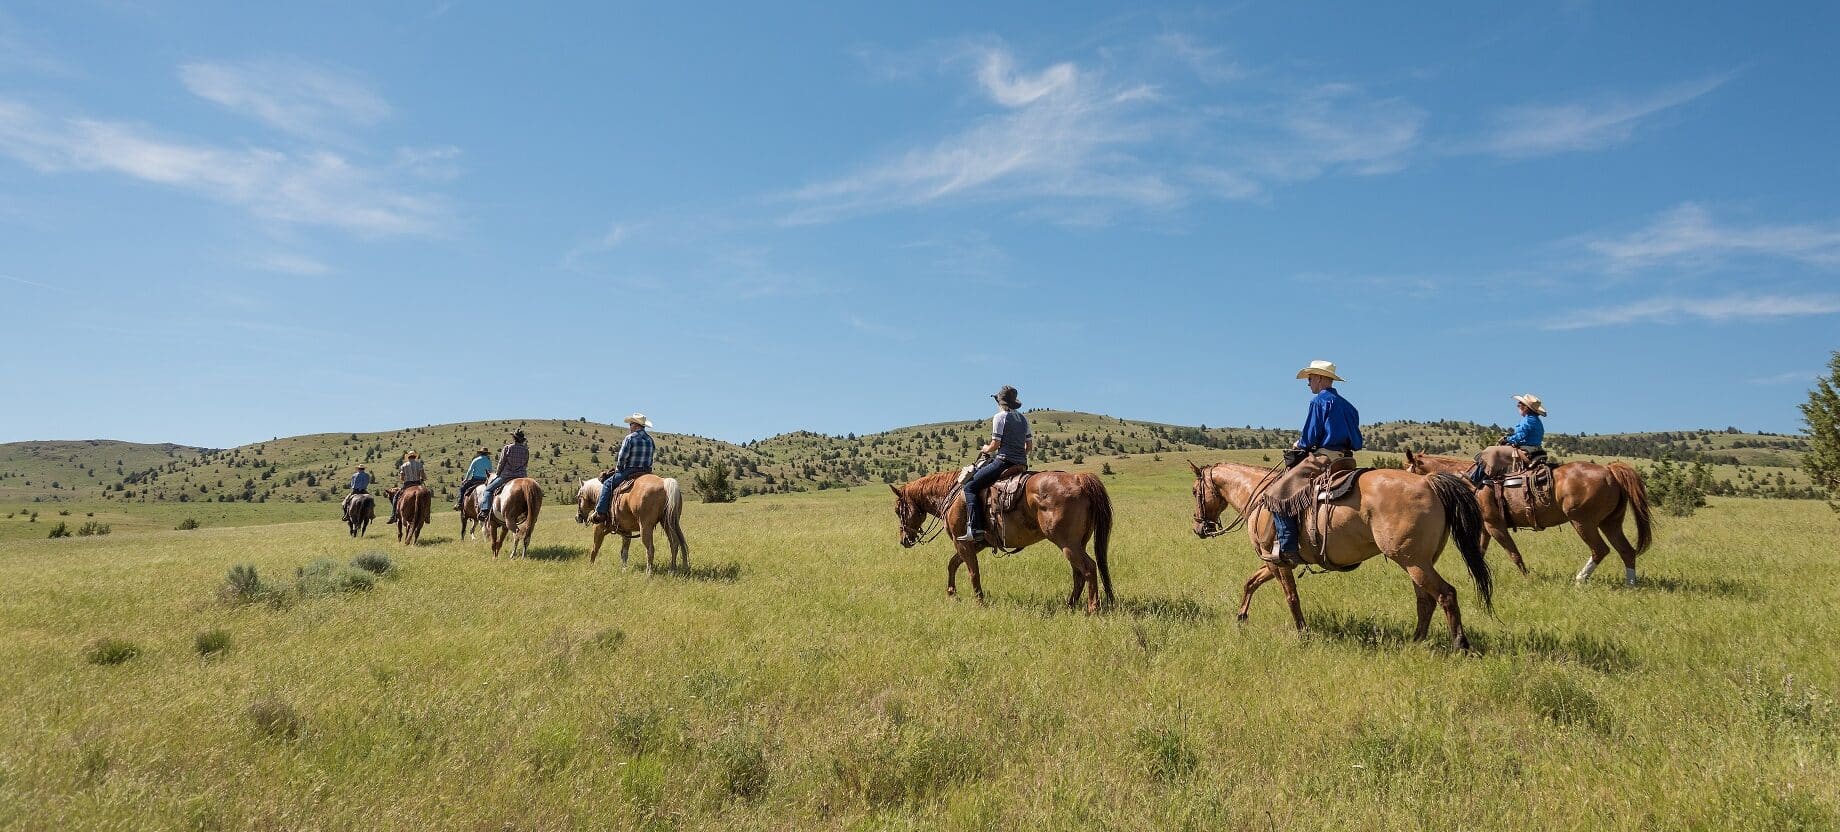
point(1426, 603)
point(645, 535)
point(600, 533)
point(1085, 577)
point(1433, 585)
point(977, 581)
point(1612, 528)
point(1598, 549)
point(1496, 528)
point(1253, 583)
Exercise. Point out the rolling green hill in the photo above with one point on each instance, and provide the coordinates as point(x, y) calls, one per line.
point(315, 468)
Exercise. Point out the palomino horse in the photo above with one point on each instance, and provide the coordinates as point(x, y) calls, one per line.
point(514, 515)
point(1056, 506)
point(653, 500)
point(1590, 496)
point(360, 510)
point(1392, 513)
point(413, 511)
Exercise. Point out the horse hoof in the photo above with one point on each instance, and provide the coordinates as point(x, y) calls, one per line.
point(1240, 618)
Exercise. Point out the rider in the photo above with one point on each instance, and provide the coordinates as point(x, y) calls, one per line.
point(412, 474)
point(361, 481)
point(513, 460)
point(1011, 442)
point(1527, 437)
point(635, 459)
point(475, 475)
point(1331, 435)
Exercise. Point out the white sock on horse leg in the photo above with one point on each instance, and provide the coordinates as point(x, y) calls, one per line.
point(1590, 565)
point(1629, 576)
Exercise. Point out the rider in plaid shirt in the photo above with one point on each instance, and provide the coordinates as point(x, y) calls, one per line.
point(635, 458)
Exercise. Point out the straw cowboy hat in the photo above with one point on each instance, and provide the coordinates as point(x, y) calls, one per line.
point(1532, 402)
point(639, 419)
point(1326, 369)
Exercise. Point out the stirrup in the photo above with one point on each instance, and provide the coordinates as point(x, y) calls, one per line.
point(971, 536)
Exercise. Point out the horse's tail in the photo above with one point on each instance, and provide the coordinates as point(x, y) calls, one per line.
point(1093, 489)
point(1464, 517)
point(533, 505)
point(674, 515)
point(1635, 494)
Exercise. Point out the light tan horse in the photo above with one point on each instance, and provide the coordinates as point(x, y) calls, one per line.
point(514, 515)
point(1403, 516)
point(413, 511)
point(1065, 508)
point(653, 501)
point(1591, 497)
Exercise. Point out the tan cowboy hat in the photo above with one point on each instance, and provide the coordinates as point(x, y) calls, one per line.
point(1325, 369)
point(639, 419)
point(1532, 402)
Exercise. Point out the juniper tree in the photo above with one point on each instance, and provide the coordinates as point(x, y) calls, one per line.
point(1822, 414)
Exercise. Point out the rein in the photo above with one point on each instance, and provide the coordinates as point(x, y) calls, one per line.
point(1252, 502)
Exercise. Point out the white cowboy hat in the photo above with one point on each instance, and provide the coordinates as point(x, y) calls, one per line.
point(639, 419)
point(1325, 369)
point(1532, 402)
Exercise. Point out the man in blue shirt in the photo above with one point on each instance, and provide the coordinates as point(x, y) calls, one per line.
point(475, 475)
point(635, 459)
point(1010, 443)
point(361, 481)
point(1331, 435)
point(1519, 449)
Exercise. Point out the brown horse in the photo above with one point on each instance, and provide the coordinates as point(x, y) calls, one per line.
point(469, 511)
point(1065, 508)
point(1392, 513)
point(360, 510)
point(1589, 496)
point(653, 501)
point(514, 515)
point(413, 511)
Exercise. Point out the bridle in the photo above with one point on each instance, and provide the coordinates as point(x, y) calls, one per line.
point(1212, 528)
point(929, 528)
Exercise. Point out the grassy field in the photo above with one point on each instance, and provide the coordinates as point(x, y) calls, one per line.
point(809, 673)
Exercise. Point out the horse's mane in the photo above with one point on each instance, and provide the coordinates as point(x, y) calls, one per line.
point(932, 483)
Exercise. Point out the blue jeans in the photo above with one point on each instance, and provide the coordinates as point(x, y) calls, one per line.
point(985, 476)
point(460, 499)
point(485, 495)
point(1286, 527)
point(613, 480)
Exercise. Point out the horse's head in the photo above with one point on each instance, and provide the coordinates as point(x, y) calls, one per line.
point(585, 498)
point(911, 516)
point(1208, 502)
point(1416, 463)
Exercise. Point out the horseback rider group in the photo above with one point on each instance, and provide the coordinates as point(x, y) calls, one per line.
point(476, 475)
point(637, 451)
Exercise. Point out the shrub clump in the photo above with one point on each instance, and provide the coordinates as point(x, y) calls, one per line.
point(273, 717)
point(188, 524)
point(713, 485)
point(906, 765)
point(741, 762)
point(242, 585)
point(376, 563)
point(1171, 758)
point(110, 651)
point(92, 528)
point(326, 577)
point(59, 530)
point(211, 643)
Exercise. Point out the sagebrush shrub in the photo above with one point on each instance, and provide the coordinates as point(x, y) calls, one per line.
point(242, 585)
point(326, 577)
point(211, 643)
point(376, 563)
point(742, 763)
point(273, 717)
point(109, 650)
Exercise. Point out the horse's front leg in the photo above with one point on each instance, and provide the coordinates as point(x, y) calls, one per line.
point(1253, 583)
point(958, 557)
point(1288, 580)
point(977, 583)
point(646, 536)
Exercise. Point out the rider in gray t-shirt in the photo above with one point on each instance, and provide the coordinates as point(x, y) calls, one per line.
point(1010, 444)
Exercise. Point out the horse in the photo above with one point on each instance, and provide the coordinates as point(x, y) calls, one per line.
point(514, 514)
point(359, 511)
point(413, 511)
point(1591, 497)
point(1405, 517)
point(469, 512)
point(653, 501)
point(1064, 508)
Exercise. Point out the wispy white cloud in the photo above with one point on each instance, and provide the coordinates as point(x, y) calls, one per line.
point(1730, 308)
point(616, 235)
point(1688, 235)
point(287, 263)
point(1790, 377)
point(294, 96)
point(311, 187)
point(1206, 62)
point(1075, 143)
point(1594, 124)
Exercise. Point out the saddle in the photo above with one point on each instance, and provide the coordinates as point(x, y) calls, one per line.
point(1334, 484)
point(1003, 497)
point(1526, 491)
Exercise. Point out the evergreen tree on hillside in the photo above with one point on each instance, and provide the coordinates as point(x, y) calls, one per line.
point(1822, 415)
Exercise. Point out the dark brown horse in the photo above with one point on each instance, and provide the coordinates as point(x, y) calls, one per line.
point(360, 510)
point(1064, 508)
point(1591, 497)
point(1393, 513)
point(514, 514)
point(653, 501)
point(414, 508)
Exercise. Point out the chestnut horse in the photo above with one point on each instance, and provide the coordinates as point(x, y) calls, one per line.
point(360, 510)
point(1065, 508)
point(1589, 496)
point(653, 501)
point(1393, 513)
point(413, 510)
point(514, 515)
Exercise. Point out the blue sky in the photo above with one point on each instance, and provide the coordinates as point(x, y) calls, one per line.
point(225, 222)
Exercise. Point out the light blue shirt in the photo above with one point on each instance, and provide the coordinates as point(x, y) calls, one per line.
point(481, 468)
point(1530, 431)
